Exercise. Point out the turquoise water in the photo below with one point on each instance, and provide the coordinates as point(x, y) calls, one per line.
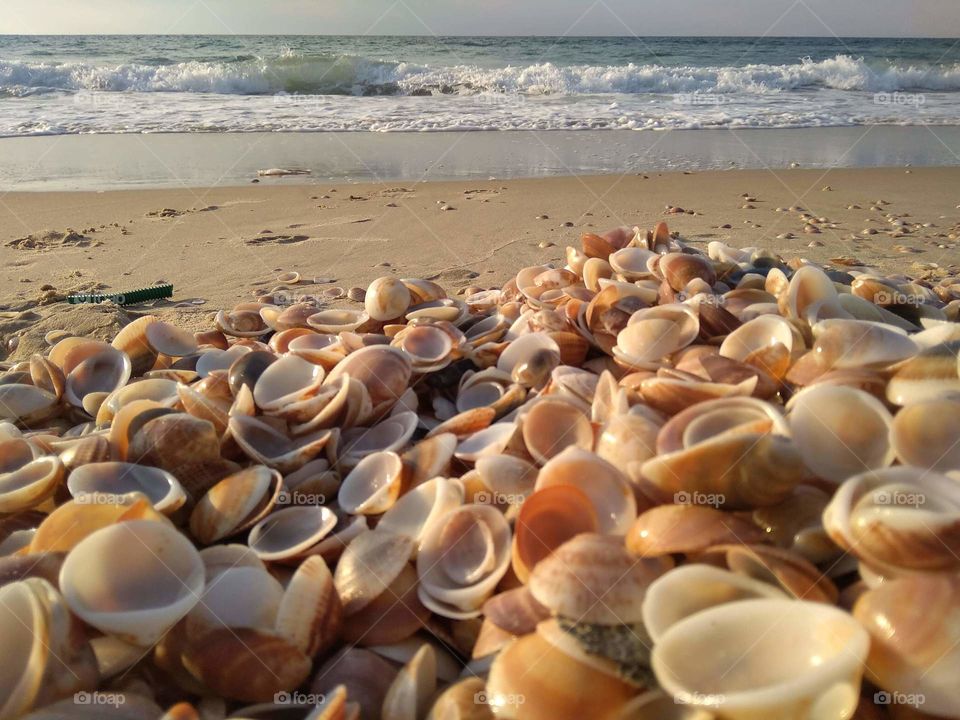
point(123, 84)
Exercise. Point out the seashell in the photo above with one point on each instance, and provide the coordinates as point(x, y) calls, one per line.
point(608, 490)
point(429, 458)
point(777, 567)
point(169, 340)
point(551, 426)
point(631, 262)
point(391, 617)
point(336, 321)
point(671, 396)
point(756, 335)
point(523, 349)
point(558, 686)
point(860, 344)
point(93, 480)
point(366, 676)
point(236, 503)
point(220, 605)
point(722, 452)
point(819, 677)
point(507, 477)
point(679, 269)
point(369, 564)
point(169, 441)
point(391, 434)
point(430, 348)
point(548, 519)
point(796, 524)
point(291, 533)
point(247, 369)
point(413, 688)
point(924, 434)
point(459, 702)
point(840, 431)
point(387, 298)
point(310, 613)
point(286, 381)
point(47, 658)
point(384, 371)
point(653, 333)
point(213, 360)
point(246, 664)
point(684, 591)
point(264, 444)
point(30, 484)
point(465, 423)
point(900, 517)
point(159, 390)
point(913, 645)
point(462, 558)
point(26, 404)
point(373, 485)
point(809, 287)
point(571, 581)
point(71, 522)
point(687, 529)
point(131, 341)
point(414, 512)
point(47, 376)
point(929, 375)
point(133, 579)
point(241, 323)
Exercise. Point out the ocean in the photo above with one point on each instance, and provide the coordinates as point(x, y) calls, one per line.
point(65, 85)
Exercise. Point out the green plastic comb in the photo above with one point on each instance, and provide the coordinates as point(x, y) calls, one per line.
point(131, 297)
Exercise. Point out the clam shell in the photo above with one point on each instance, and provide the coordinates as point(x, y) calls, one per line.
point(336, 321)
point(30, 484)
point(414, 512)
point(840, 431)
point(462, 558)
point(551, 426)
point(685, 529)
point(653, 333)
point(684, 591)
point(592, 578)
point(133, 579)
point(607, 488)
point(913, 645)
point(89, 481)
point(26, 404)
point(384, 371)
point(286, 381)
point(291, 532)
point(310, 613)
point(925, 434)
point(268, 446)
point(820, 675)
point(393, 616)
point(235, 503)
point(370, 563)
point(373, 485)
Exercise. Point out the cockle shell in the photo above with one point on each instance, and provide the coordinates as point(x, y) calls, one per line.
point(288, 380)
point(840, 430)
point(558, 686)
point(373, 485)
point(685, 529)
point(683, 591)
point(913, 624)
point(730, 659)
point(26, 404)
point(552, 425)
point(462, 558)
point(385, 372)
point(924, 434)
point(592, 578)
point(292, 532)
point(930, 374)
point(414, 512)
point(30, 484)
point(656, 332)
point(900, 517)
point(607, 488)
point(133, 579)
point(89, 481)
point(268, 446)
point(860, 344)
point(235, 503)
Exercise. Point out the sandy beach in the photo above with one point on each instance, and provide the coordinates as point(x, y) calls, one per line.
point(221, 246)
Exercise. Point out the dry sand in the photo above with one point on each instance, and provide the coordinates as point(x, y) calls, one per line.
point(224, 245)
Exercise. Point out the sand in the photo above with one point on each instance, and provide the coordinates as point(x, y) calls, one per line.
point(224, 245)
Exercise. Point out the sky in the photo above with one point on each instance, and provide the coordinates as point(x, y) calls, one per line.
point(888, 18)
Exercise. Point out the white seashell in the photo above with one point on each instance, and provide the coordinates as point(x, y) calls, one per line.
point(133, 579)
point(387, 298)
point(730, 659)
point(120, 478)
point(414, 513)
point(373, 486)
point(757, 334)
point(291, 532)
point(286, 381)
point(841, 431)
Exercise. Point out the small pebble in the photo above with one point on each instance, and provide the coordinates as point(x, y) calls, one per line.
point(545, 244)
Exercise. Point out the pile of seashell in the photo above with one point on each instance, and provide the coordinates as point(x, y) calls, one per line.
point(653, 484)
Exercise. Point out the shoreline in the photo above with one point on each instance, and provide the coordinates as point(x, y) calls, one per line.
point(223, 245)
point(173, 160)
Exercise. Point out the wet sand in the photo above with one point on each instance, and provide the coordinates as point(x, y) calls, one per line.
point(220, 246)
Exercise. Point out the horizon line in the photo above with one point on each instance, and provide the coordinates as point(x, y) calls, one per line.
point(826, 36)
